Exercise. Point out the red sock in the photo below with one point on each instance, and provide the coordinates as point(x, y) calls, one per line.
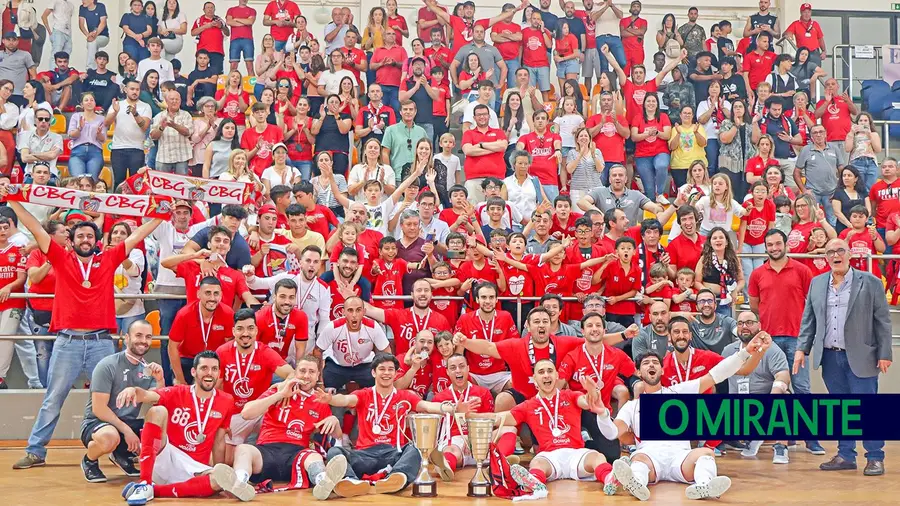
point(195, 487)
point(507, 444)
point(602, 471)
point(151, 439)
point(451, 460)
point(349, 420)
point(537, 473)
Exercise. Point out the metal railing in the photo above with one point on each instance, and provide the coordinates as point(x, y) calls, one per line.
point(838, 56)
point(886, 135)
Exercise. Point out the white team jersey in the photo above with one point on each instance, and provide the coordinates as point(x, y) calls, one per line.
point(631, 415)
point(313, 297)
point(350, 349)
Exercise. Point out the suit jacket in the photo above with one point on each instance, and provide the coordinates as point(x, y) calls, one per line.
point(867, 329)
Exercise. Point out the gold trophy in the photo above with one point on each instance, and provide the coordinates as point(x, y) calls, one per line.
point(425, 430)
point(480, 432)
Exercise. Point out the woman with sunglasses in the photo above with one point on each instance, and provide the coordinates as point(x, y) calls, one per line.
point(285, 100)
point(331, 130)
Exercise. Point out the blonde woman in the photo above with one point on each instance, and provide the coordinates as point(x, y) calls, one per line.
point(719, 208)
point(266, 65)
point(368, 169)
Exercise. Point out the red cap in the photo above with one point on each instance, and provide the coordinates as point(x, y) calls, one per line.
point(805, 7)
point(267, 209)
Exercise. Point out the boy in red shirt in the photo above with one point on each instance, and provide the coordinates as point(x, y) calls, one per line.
point(387, 274)
point(259, 142)
point(440, 107)
point(684, 295)
point(863, 240)
point(660, 287)
point(622, 281)
point(563, 224)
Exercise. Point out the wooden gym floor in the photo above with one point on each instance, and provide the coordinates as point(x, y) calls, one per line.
point(755, 481)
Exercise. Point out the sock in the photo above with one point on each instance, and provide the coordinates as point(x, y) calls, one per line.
point(315, 471)
point(704, 470)
point(347, 425)
point(641, 472)
point(507, 444)
point(195, 487)
point(602, 471)
point(451, 460)
point(540, 475)
point(242, 476)
point(151, 439)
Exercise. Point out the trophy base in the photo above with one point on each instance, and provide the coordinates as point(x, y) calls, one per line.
point(424, 489)
point(479, 490)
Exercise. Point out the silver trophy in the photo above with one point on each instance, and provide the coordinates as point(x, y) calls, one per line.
point(425, 429)
point(480, 433)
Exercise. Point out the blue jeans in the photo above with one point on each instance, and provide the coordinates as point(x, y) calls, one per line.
point(305, 169)
point(134, 49)
point(749, 264)
point(258, 89)
point(60, 41)
point(839, 379)
point(654, 173)
point(279, 44)
point(712, 156)
point(799, 381)
point(511, 67)
point(168, 308)
point(391, 97)
point(825, 202)
point(151, 155)
point(616, 48)
point(539, 77)
point(124, 323)
point(43, 352)
point(243, 47)
point(86, 159)
point(551, 190)
point(70, 359)
point(868, 170)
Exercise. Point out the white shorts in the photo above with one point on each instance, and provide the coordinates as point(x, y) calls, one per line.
point(175, 466)
point(242, 429)
point(494, 381)
point(568, 464)
point(666, 462)
point(461, 442)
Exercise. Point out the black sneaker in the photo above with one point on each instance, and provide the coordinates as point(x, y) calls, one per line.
point(125, 463)
point(3, 385)
point(92, 472)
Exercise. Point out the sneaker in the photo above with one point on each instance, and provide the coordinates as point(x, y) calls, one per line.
point(138, 493)
point(3, 385)
point(781, 454)
point(92, 472)
point(351, 488)
point(629, 449)
point(815, 448)
point(440, 462)
point(513, 459)
point(714, 489)
point(225, 477)
point(720, 450)
point(28, 461)
point(125, 463)
point(610, 484)
point(525, 479)
point(334, 471)
point(393, 483)
point(626, 478)
point(752, 449)
point(733, 445)
point(519, 450)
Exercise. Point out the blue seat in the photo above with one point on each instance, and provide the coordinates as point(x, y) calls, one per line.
point(896, 85)
point(893, 130)
point(872, 88)
point(878, 102)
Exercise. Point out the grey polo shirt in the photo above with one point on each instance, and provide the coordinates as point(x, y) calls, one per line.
point(112, 375)
point(761, 379)
point(34, 143)
point(14, 66)
point(713, 336)
point(632, 202)
point(488, 55)
point(648, 341)
point(820, 166)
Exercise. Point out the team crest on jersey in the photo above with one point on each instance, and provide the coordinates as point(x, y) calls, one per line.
point(295, 429)
point(388, 288)
point(215, 414)
point(11, 257)
point(338, 311)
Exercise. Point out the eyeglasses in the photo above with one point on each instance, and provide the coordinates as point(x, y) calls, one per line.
point(747, 323)
point(409, 143)
point(835, 252)
point(43, 120)
point(706, 302)
point(491, 187)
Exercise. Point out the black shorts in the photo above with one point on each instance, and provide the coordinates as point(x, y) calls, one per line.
point(277, 461)
point(517, 396)
point(87, 433)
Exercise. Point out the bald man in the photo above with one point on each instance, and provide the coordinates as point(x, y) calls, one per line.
point(653, 338)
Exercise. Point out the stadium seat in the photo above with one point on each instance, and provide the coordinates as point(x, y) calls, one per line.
point(249, 84)
point(880, 101)
point(106, 176)
point(58, 124)
point(596, 90)
point(893, 130)
point(551, 95)
point(107, 152)
point(220, 82)
point(584, 90)
point(894, 87)
point(67, 150)
point(63, 170)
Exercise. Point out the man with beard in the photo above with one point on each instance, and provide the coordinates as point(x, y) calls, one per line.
point(611, 369)
point(671, 460)
point(685, 361)
point(615, 334)
point(107, 427)
point(405, 324)
point(183, 444)
point(635, 89)
point(208, 314)
point(341, 283)
point(692, 33)
point(289, 418)
point(416, 371)
point(417, 88)
point(454, 451)
point(231, 217)
point(86, 275)
point(348, 345)
point(314, 294)
point(383, 410)
point(684, 250)
point(488, 325)
point(562, 454)
point(711, 330)
point(245, 373)
point(369, 238)
point(653, 338)
point(632, 202)
point(283, 327)
point(767, 375)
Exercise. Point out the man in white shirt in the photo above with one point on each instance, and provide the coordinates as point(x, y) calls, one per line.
point(485, 92)
point(58, 21)
point(156, 62)
point(40, 146)
point(131, 120)
point(348, 346)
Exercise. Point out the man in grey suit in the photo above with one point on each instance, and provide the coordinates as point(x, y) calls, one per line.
point(846, 321)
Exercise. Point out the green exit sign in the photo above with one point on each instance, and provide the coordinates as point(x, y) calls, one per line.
point(895, 7)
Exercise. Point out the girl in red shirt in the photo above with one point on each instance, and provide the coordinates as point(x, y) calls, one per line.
point(650, 133)
point(566, 55)
point(755, 224)
point(758, 165)
point(472, 74)
point(396, 21)
point(298, 132)
point(349, 102)
point(232, 101)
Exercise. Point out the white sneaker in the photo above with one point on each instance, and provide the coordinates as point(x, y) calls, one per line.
point(440, 463)
point(225, 477)
point(781, 455)
point(752, 449)
point(141, 493)
point(334, 472)
point(626, 478)
point(714, 489)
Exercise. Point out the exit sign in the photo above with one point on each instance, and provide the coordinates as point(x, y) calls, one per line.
point(895, 7)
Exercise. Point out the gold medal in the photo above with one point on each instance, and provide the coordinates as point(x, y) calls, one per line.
point(86, 284)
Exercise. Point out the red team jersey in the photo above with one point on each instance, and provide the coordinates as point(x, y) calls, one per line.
point(406, 325)
point(389, 282)
point(518, 354)
point(233, 282)
point(294, 423)
point(386, 413)
point(471, 392)
point(68, 311)
point(12, 263)
point(279, 334)
point(449, 309)
point(255, 375)
point(422, 379)
point(183, 427)
point(611, 364)
point(561, 412)
point(186, 329)
point(699, 364)
point(544, 165)
point(500, 328)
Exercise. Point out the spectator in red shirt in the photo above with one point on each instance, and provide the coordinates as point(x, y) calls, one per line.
point(279, 15)
point(396, 21)
point(439, 53)
point(567, 55)
point(632, 30)
point(684, 250)
point(426, 23)
point(609, 131)
point(835, 112)
point(807, 33)
point(463, 28)
point(885, 194)
point(758, 63)
point(545, 148)
point(536, 44)
point(484, 148)
point(387, 62)
point(241, 18)
point(259, 141)
point(211, 31)
point(507, 38)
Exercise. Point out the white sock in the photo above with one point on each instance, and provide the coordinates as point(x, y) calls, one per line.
point(319, 477)
point(242, 476)
point(641, 472)
point(704, 470)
